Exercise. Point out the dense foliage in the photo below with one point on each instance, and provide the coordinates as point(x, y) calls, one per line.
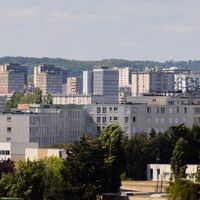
point(142, 149)
point(93, 166)
point(184, 190)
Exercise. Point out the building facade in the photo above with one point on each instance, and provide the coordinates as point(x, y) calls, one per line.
point(45, 125)
point(124, 77)
point(74, 85)
point(13, 77)
point(143, 117)
point(187, 82)
point(50, 79)
point(87, 82)
point(15, 150)
point(152, 82)
point(162, 172)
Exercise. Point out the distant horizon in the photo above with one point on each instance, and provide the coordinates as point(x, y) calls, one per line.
point(91, 60)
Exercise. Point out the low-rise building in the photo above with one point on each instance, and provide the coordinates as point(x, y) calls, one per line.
point(41, 153)
point(15, 150)
point(163, 172)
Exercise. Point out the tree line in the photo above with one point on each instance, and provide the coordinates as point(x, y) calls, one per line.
point(97, 165)
point(76, 66)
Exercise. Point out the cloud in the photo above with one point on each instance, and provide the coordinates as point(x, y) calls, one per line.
point(178, 28)
point(128, 44)
point(64, 16)
point(14, 14)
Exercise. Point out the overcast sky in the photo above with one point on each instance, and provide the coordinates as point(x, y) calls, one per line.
point(97, 29)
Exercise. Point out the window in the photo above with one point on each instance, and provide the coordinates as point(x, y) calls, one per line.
point(104, 109)
point(185, 110)
point(8, 119)
point(110, 118)
point(126, 129)
point(9, 129)
point(177, 110)
point(184, 120)
point(110, 108)
point(134, 129)
point(171, 102)
point(8, 139)
point(134, 119)
point(149, 120)
point(170, 110)
point(197, 110)
point(162, 120)
point(98, 109)
point(149, 110)
point(98, 129)
point(89, 119)
point(156, 120)
point(162, 110)
point(104, 119)
point(126, 120)
point(7, 152)
point(170, 120)
point(115, 109)
point(134, 110)
point(115, 118)
point(176, 120)
point(98, 119)
point(157, 110)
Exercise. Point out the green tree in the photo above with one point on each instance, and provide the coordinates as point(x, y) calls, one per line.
point(37, 96)
point(53, 180)
point(84, 170)
point(6, 184)
point(137, 156)
point(7, 166)
point(183, 190)
point(47, 99)
point(180, 158)
point(112, 142)
point(29, 183)
point(198, 174)
point(15, 99)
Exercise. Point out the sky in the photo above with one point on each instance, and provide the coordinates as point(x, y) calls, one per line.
point(156, 30)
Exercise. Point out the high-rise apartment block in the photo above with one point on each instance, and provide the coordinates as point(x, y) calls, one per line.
point(50, 79)
point(152, 82)
point(74, 85)
point(124, 76)
point(187, 82)
point(13, 77)
point(87, 82)
point(105, 82)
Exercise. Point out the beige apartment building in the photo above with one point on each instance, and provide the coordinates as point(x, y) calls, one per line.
point(152, 82)
point(124, 78)
point(13, 77)
point(74, 85)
